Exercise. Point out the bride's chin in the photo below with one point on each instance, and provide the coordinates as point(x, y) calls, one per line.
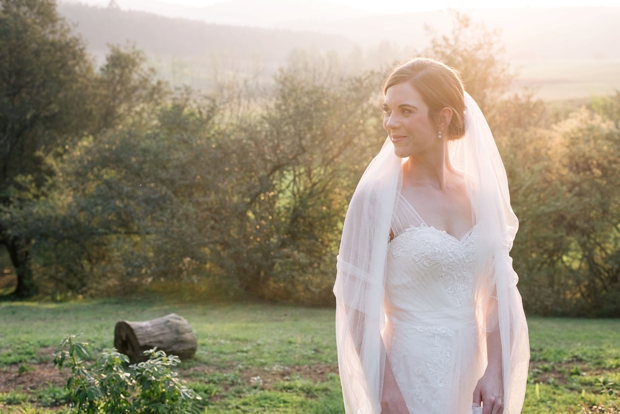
point(400, 153)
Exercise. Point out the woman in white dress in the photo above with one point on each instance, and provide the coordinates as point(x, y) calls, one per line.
point(429, 319)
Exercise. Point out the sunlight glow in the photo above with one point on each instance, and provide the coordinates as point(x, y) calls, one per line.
point(401, 6)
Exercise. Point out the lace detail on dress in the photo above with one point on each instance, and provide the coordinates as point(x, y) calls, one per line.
point(452, 259)
point(430, 373)
point(434, 370)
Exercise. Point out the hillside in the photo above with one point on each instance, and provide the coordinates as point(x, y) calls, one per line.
point(563, 52)
point(161, 35)
point(552, 33)
point(529, 32)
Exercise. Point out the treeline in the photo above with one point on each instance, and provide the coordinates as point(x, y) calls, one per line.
point(113, 183)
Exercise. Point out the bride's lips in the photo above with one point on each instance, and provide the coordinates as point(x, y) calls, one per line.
point(397, 138)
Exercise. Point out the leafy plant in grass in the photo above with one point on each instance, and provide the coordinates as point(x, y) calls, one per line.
point(52, 396)
point(13, 398)
point(110, 385)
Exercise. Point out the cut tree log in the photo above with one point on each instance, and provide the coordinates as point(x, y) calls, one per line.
point(171, 334)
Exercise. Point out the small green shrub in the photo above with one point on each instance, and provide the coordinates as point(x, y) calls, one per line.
point(52, 396)
point(110, 385)
point(28, 408)
point(13, 398)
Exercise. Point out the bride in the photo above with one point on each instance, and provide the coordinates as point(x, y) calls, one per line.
point(429, 318)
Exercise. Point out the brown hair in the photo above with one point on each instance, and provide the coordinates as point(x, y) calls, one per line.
point(440, 87)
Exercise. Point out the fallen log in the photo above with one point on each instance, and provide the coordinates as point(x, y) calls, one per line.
point(171, 334)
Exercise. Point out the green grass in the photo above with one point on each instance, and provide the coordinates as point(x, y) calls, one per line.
point(595, 342)
point(574, 362)
point(228, 334)
point(281, 359)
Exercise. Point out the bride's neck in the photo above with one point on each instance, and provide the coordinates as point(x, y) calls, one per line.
point(432, 169)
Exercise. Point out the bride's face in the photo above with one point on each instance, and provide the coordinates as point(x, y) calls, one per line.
point(406, 120)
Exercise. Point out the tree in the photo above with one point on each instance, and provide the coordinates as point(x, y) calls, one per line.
point(476, 52)
point(43, 101)
point(568, 202)
point(125, 88)
point(50, 97)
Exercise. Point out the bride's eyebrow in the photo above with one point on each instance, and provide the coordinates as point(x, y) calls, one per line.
point(405, 105)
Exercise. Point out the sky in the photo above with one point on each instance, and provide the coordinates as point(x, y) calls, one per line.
point(395, 6)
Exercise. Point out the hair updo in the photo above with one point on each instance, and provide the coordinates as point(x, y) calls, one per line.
point(439, 85)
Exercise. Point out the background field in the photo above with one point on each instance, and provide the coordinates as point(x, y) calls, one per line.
point(257, 357)
point(569, 79)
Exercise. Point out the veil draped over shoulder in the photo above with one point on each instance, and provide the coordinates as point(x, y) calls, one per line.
point(360, 281)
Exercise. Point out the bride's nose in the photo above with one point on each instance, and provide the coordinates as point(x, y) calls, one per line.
point(391, 122)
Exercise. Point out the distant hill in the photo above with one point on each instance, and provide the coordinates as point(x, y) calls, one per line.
point(185, 38)
point(271, 12)
point(258, 13)
point(529, 33)
point(565, 52)
point(552, 33)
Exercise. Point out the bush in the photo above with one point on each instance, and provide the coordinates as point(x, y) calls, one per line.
point(247, 200)
point(565, 193)
point(112, 386)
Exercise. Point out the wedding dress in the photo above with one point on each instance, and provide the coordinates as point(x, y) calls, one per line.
point(424, 301)
point(431, 336)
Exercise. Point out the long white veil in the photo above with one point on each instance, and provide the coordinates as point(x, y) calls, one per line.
point(360, 281)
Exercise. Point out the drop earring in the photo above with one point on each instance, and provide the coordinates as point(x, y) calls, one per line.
point(439, 135)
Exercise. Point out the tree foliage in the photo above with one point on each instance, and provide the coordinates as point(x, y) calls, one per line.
point(245, 190)
point(50, 97)
point(251, 198)
point(569, 205)
point(478, 55)
point(43, 101)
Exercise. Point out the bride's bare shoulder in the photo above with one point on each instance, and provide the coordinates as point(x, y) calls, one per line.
point(459, 181)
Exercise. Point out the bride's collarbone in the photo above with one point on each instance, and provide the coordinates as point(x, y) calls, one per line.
point(448, 211)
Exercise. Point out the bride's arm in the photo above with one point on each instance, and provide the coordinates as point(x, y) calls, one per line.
point(392, 400)
point(489, 390)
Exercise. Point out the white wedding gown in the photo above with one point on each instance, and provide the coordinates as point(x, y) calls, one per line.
point(424, 302)
point(431, 337)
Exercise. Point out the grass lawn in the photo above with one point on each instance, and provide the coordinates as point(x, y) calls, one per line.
point(278, 359)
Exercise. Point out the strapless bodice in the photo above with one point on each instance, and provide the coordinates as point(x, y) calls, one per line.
point(430, 275)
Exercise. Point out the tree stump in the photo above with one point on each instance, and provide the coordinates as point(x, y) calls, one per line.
point(171, 334)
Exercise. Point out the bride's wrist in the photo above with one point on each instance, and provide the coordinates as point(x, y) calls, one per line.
point(494, 368)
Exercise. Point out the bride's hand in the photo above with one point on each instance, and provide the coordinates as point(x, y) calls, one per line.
point(489, 393)
point(392, 401)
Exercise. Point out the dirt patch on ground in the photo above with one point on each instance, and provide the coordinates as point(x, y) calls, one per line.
point(37, 376)
point(32, 378)
point(47, 352)
point(264, 377)
point(560, 372)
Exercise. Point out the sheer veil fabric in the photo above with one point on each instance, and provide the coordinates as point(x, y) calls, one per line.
point(360, 281)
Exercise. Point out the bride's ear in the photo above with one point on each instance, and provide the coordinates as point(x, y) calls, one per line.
point(444, 117)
